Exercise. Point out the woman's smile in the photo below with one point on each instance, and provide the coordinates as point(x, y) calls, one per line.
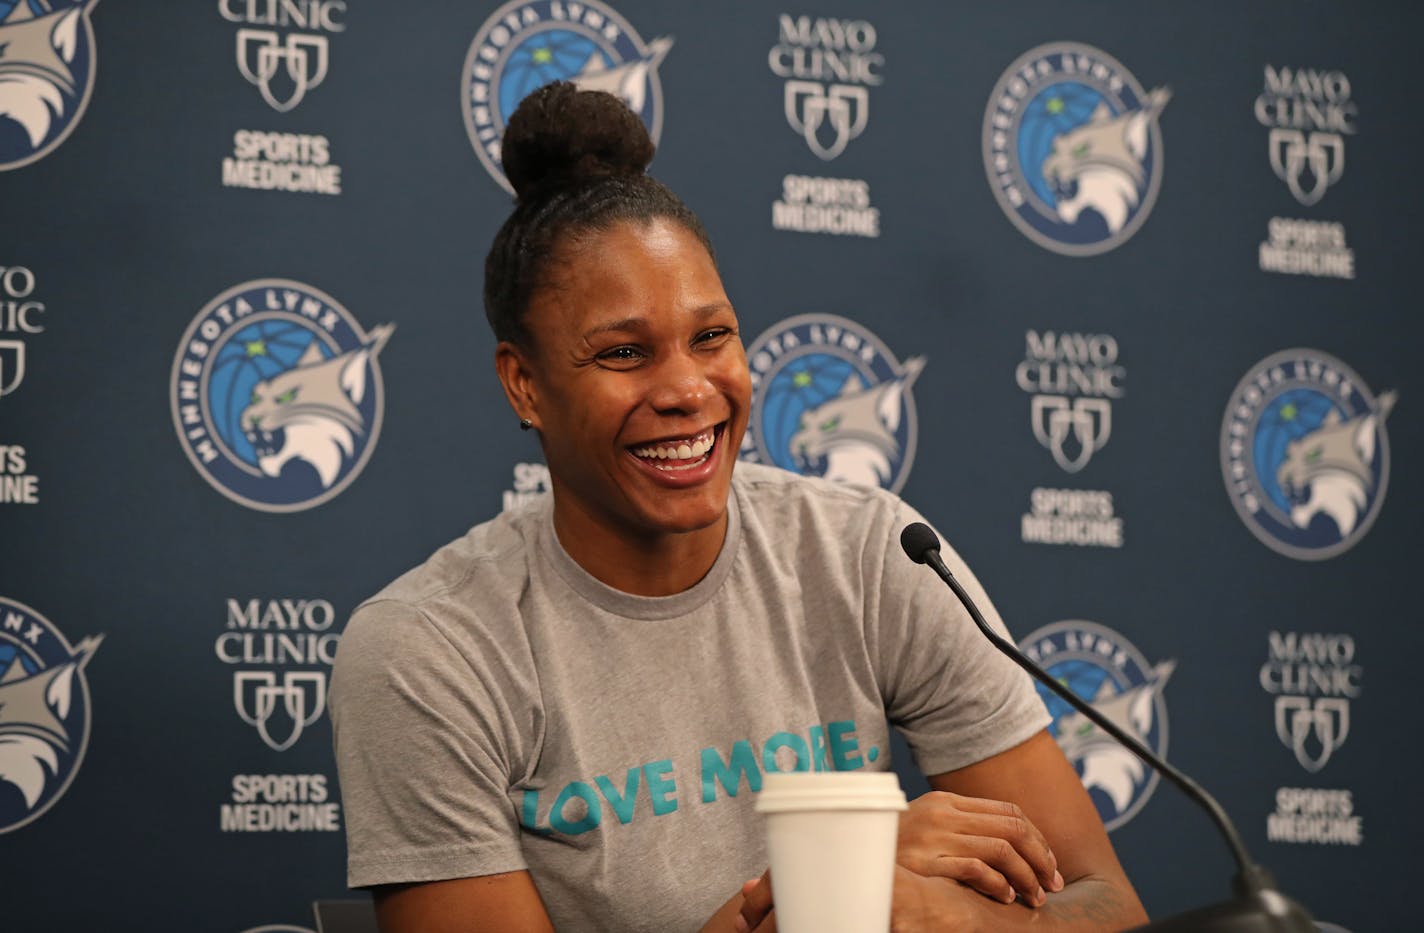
point(638, 384)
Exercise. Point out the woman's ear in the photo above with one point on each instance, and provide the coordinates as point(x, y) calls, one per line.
point(516, 374)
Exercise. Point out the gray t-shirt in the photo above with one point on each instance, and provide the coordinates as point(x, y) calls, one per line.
point(498, 709)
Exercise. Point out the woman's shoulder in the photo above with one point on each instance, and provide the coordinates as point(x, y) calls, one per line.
point(784, 507)
point(772, 489)
point(488, 563)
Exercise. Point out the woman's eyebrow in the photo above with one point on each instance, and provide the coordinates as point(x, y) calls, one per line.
point(627, 324)
point(637, 323)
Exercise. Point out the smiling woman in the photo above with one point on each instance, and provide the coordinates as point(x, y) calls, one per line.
point(639, 388)
point(561, 719)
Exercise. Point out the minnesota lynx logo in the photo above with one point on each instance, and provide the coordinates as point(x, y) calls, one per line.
point(44, 712)
point(1305, 454)
point(46, 75)
point(277, 395)
point(830, 400)
point(1105, 669)
point(1073, 149)
point(527, 44)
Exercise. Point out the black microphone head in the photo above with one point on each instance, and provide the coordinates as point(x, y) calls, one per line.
point(918, 540)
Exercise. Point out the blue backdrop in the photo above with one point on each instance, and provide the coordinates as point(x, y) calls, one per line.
point(1129, 285)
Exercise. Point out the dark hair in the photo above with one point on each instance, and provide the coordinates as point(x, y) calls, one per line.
point(577, 162)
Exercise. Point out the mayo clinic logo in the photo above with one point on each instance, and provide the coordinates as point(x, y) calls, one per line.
point(1073, 149)
point(276, 394)
point(292, 642)
point(20, 315)
point(283, 66)
point(830, 400)
point(46, 76)
point(44, 712)
point(1072, 378)
point(829, 65)
point(1102, 667)
point(527, 44)
point(1309, 113)
point(302, 695)
point(1305, 454)
point(1313, 677)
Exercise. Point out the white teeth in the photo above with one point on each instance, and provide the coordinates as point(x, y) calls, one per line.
point(690, 449)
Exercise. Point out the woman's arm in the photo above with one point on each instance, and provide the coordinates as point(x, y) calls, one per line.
point(1035, 776)
point(507, 903)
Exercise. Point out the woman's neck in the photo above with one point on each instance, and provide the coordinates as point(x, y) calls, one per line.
point(631, 560)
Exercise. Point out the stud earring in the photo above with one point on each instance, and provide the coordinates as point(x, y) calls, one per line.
point(525, 424)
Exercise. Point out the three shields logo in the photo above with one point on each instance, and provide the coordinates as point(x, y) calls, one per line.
point(303, 695)
point(1089, 420)
point(1299, 718)
point(12, 366)
point(1292, 152)
point(810, 105)
point(260, 52)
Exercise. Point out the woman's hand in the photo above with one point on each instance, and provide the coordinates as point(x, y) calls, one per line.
point(934, 905)
point(748, 910)
point(919, 905)
point(988, 845)
point(756, 915)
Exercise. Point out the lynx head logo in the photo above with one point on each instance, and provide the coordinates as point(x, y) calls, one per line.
point(277, 394)
point(1074, 153)
point(44, 712)
point(46, 75)
point(830, 400)
point(1305, 453)
point(1103, 668)
point(527, 44)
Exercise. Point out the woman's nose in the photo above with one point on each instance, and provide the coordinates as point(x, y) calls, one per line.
point(682, 384)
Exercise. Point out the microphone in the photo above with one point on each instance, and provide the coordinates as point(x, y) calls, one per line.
point(1257, 907)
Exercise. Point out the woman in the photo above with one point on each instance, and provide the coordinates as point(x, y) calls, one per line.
point(562, 718)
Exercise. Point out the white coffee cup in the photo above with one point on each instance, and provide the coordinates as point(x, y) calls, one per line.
point(831, 837)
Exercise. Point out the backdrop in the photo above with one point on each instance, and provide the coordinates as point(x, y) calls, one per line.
point(1120, 296)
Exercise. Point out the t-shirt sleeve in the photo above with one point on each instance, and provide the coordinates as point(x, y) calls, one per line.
point(423, 751)
point(956, 699)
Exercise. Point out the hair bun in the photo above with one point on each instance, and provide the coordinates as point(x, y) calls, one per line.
point(562, 135)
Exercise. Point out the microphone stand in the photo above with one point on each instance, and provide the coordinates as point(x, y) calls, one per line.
point(1257, 906)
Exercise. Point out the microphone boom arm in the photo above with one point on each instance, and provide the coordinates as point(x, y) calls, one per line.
point(1251, 877)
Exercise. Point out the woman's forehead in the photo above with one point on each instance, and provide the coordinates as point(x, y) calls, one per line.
point(648, 272)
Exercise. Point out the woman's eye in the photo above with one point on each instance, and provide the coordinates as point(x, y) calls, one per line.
point(622, 354)
point(713, 335)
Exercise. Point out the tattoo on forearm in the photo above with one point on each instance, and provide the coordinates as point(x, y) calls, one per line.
point(1095, 901)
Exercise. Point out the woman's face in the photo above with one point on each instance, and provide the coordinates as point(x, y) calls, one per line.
point(638, 382)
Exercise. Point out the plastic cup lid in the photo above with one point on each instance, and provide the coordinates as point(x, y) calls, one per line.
point(830, 790)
